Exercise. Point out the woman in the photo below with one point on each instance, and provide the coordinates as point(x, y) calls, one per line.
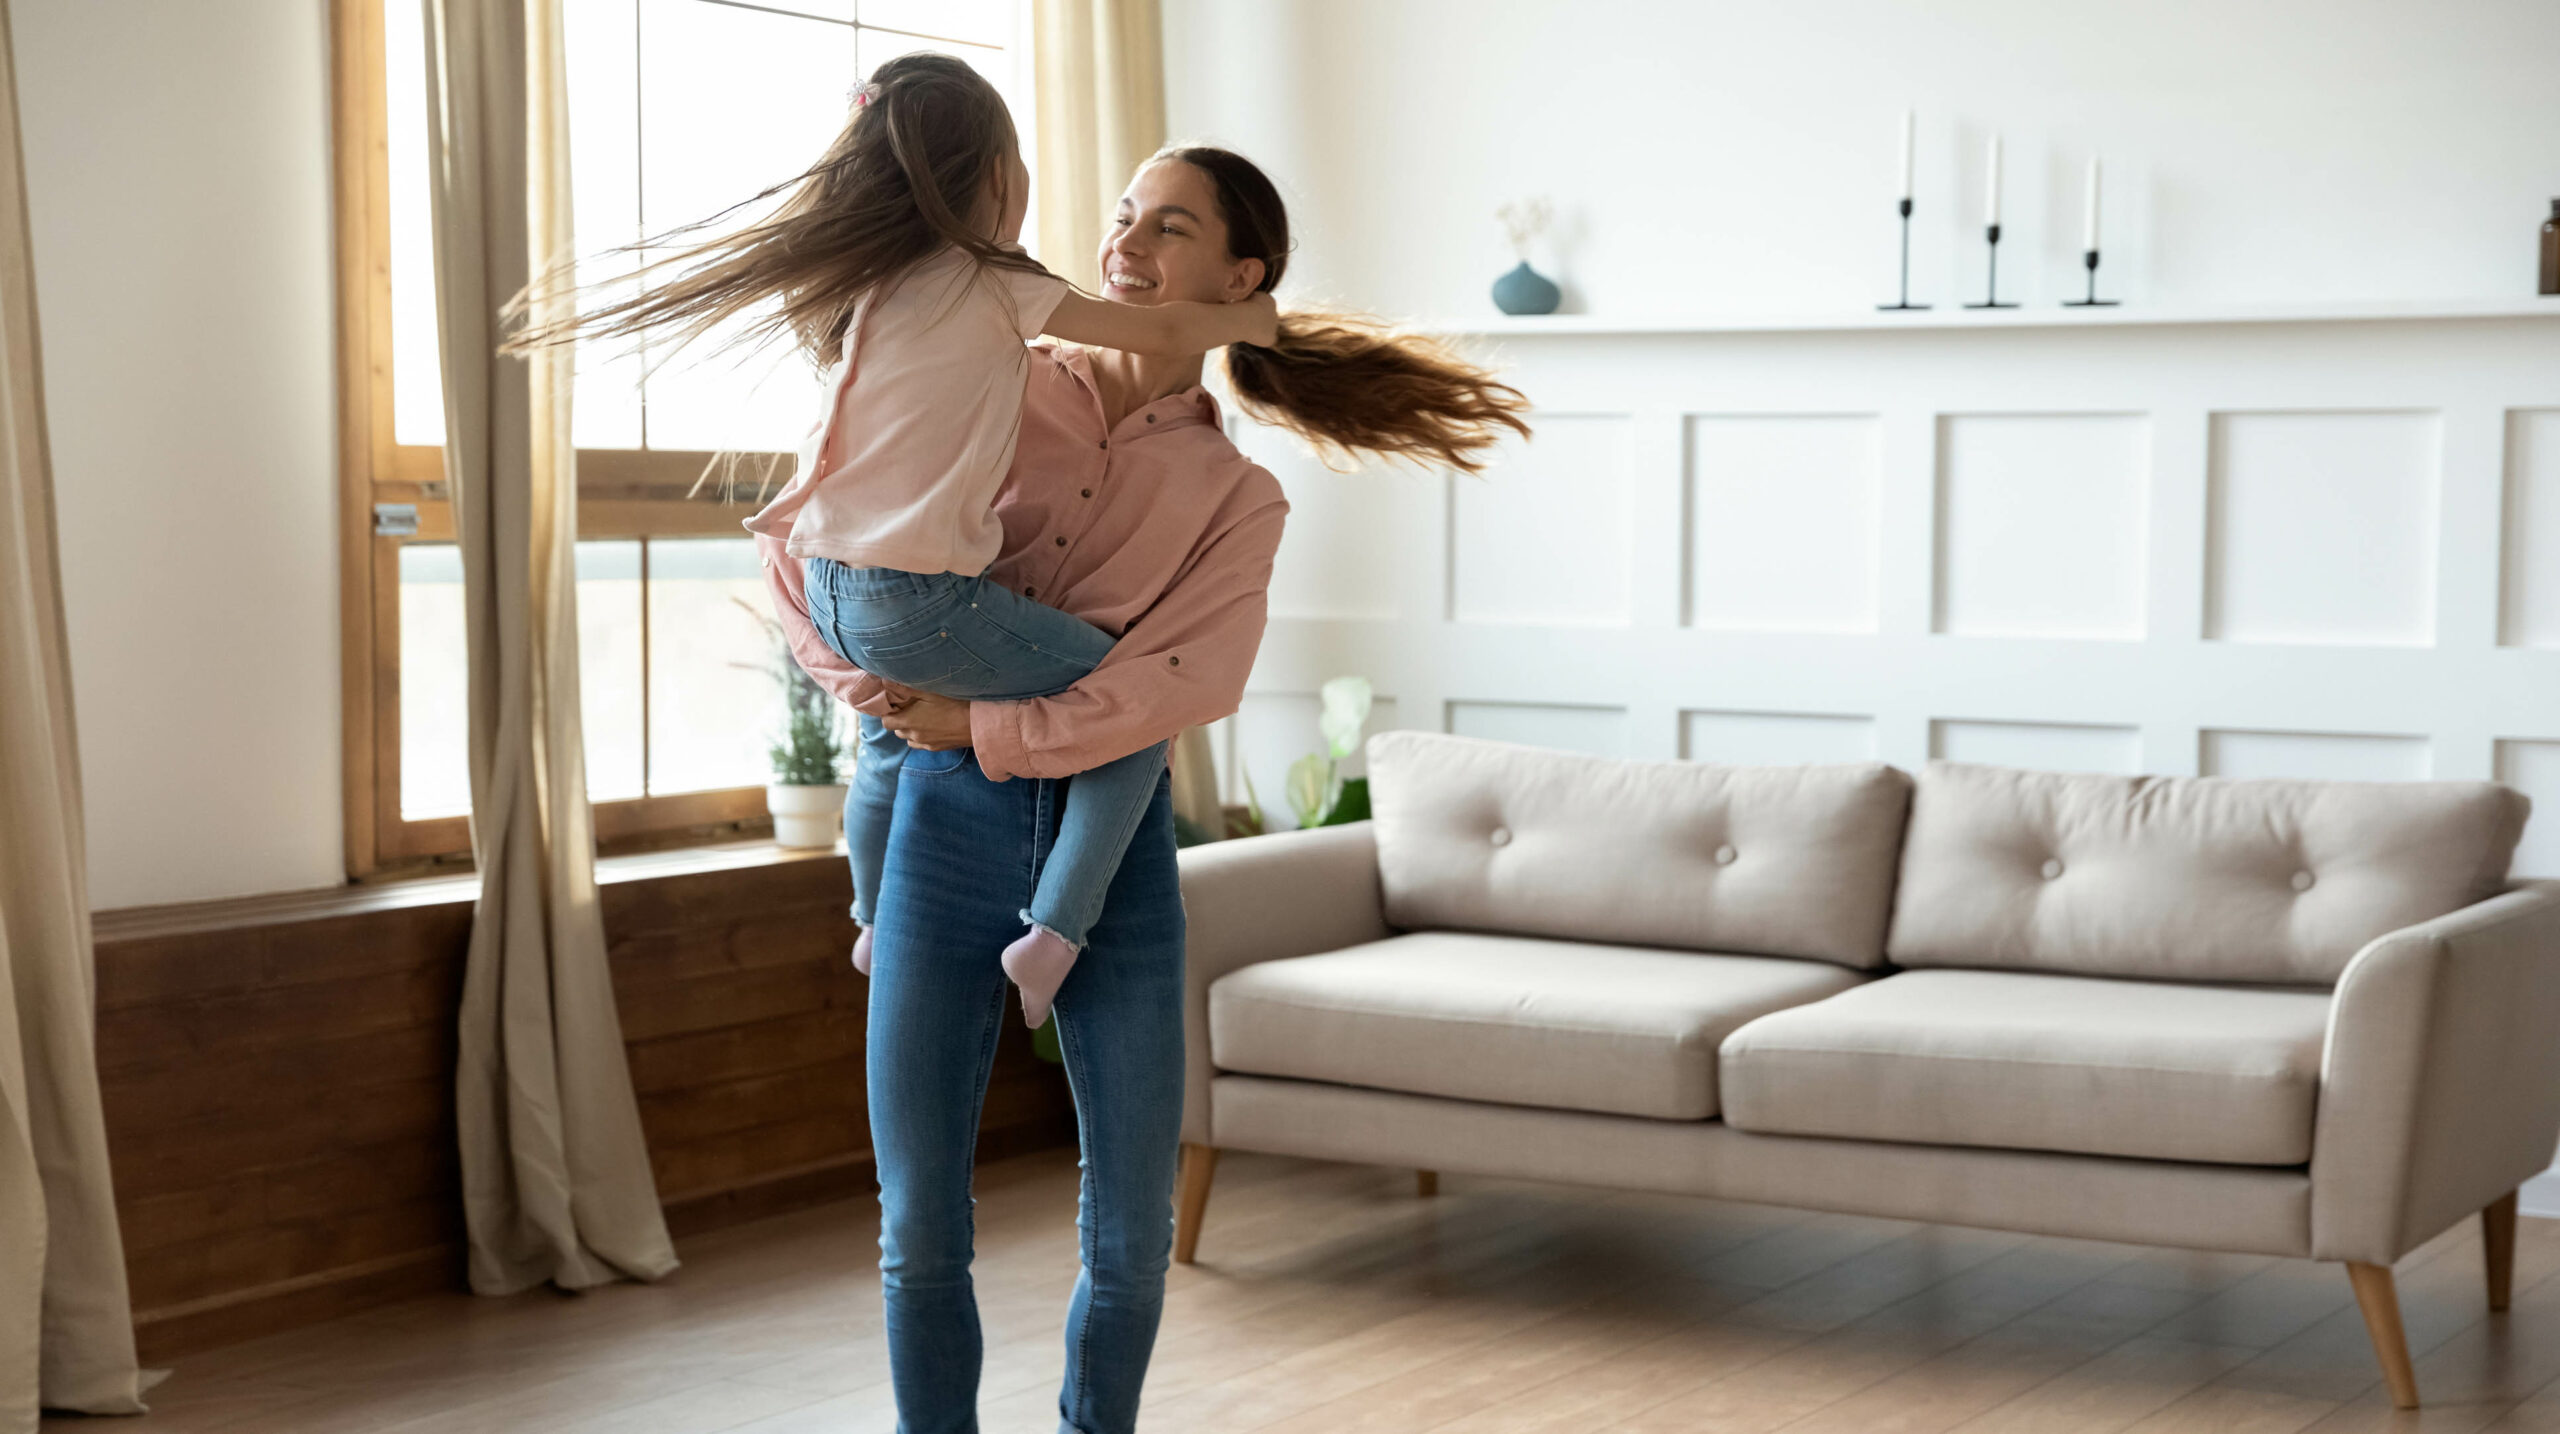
point(1128, 507)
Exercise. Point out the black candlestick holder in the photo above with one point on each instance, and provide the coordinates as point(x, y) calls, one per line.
point(1991, 290)
point(1905, 207)
point(2089, 257)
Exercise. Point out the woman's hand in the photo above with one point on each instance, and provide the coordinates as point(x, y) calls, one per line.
point(930, 723)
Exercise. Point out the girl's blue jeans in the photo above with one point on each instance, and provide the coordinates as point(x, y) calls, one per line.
point(971, 639)
point(968, 853)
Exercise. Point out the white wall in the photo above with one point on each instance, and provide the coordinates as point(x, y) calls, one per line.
point(178, 176)
point(1708, 155)
point(1702, 156)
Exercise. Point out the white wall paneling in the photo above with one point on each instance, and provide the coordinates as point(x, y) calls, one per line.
point(1782, 522)
point(2323, 527)
point(1341, 560)
point(2042, 746)
point(2532, 567)
point(2355, 465)
point(2533, 768)
point(2041, 525)
point(1542, 536)
point(2323, 756)
point(1598, 731)
point(1750, 739)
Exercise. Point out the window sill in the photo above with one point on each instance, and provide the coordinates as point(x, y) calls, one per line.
point(137, 922)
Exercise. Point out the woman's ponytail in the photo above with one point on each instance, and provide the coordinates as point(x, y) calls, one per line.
point(1348, 383)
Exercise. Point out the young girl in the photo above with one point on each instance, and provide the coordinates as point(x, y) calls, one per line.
point(927, 299)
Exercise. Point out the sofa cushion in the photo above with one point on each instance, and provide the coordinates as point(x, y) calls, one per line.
point(1778, 861)
point(2033, 1062)
point(2187, 878)
point(1506, 1018)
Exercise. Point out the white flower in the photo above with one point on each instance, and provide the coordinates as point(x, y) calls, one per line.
point(1524, 220)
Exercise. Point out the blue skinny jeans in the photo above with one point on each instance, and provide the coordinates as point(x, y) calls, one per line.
point(970, 638)
point(968, 852)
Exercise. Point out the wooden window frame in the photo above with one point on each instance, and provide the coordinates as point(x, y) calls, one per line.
point(623, 493)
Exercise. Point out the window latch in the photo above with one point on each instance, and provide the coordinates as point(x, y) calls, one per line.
point(395, 520)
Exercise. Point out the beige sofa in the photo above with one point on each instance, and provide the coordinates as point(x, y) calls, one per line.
point(2310, 1019)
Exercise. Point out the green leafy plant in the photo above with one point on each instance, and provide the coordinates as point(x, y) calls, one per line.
point(1247, 820)
point(1317, 791)
point(810, 749)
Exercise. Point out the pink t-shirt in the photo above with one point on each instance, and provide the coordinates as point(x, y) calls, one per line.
point(922, 415)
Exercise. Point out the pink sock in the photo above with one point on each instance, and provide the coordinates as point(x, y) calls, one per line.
point(862, 952)
point(1038, 963)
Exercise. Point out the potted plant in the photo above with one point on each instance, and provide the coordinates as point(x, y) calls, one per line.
point(1317, 791)
point(1524, 290)
point(806, 795)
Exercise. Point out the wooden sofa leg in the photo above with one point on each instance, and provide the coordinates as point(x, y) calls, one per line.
point(2379, 1298)
point(1199, 1163)
point(2498, 1243)
point(1426, 1183)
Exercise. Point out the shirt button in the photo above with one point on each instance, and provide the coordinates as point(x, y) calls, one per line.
point(1062, 540)
point(1088, 492)
point(1725, 855)
point(2052, 868)
point(1031, 592)
point(1151, 418)
point(1103, 444)
point(1173, 661)
point(1499, 836)
point(2302, 881)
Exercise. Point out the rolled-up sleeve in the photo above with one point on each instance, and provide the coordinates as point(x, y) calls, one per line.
point(784, 579)
point(1183, 663)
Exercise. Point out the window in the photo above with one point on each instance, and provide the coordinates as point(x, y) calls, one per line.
point(678, 109)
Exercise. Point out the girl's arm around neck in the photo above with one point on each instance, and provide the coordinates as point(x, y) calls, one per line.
point(1169, 329)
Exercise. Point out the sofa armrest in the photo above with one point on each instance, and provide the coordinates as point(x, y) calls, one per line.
point(1260, 899)
point(2440, 1086)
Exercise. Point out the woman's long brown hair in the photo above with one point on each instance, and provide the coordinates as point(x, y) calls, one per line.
point(907, 177)
point(1348, 383)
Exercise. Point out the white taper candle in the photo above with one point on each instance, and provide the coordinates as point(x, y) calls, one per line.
point(1908, 121)
point(1991, 204)
point(2089, 220)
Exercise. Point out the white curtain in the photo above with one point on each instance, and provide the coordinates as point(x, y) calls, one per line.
point(556, 1179)
point(66, 1320)
point(1098, 78)
point(1098, 75)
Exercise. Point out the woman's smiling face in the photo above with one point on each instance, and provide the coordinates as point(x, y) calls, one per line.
point(1169, 241)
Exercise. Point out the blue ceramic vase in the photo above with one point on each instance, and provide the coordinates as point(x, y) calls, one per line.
point(1525, 291)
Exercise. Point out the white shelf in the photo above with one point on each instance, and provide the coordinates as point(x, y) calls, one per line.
point(2047, 316)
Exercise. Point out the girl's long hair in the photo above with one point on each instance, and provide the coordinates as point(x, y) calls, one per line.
point(1348, 383)
point(906, 178)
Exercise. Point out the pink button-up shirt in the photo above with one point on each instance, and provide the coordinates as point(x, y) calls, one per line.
point(1158, 532)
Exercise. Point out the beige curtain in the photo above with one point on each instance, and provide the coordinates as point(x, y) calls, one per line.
point(1195, 783)
point(66, 1322)
point(1098, 77)
point(556, 1180)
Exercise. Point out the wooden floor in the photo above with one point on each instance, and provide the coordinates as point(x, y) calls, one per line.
point(1330, 1299)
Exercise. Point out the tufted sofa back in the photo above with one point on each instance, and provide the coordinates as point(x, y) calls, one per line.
point(2186, 878)
point(1776, 861)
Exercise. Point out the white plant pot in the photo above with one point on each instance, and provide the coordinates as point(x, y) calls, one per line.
point(805, 816)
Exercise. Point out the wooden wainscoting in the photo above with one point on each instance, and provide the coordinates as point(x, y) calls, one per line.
point(279, 1079)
